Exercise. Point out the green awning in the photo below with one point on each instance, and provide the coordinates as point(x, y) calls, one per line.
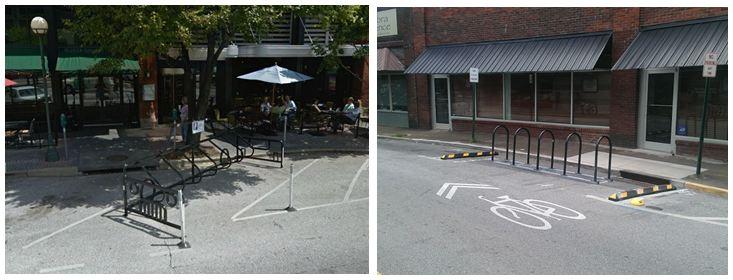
point(23, 63)
point(70, 60)
point(82, 63)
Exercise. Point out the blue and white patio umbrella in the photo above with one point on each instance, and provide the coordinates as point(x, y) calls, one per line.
point(275, 75)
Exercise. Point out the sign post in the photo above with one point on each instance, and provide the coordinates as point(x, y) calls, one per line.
point(708, 71)
point(473, 79)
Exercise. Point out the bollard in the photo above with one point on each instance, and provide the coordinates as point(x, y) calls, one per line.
point(290, 204)
point(183, 243)
point(285, 129)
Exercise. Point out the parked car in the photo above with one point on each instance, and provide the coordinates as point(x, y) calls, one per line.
point(27, 94)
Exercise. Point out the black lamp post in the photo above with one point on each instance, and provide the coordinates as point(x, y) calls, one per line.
point(40, 27)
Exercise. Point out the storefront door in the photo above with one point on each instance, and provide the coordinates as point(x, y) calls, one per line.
point(657, 110)
point(441, 101)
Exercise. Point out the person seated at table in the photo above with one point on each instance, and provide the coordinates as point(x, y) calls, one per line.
point(265, 106)
point(316, 105)
point(349, 115)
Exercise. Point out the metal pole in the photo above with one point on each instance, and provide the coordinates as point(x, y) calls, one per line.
point(183, 243)
point(285, 128)
point(51, 153)
point(66, 148)
point(290, 204)
point(702, 129)
point(473, 122)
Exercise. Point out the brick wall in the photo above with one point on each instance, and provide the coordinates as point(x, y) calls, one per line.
point(652, 16)
point(714, 151)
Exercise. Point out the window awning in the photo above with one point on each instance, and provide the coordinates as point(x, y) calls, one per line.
point(28, 60)
point(388, 61)
point(547, 54)
point(677, 45)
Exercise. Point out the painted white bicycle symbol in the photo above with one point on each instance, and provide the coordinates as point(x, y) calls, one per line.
point(531, 208)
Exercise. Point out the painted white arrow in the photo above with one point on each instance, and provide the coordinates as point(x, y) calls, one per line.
point(455, 186)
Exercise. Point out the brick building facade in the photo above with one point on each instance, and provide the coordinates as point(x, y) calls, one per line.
point(421, 29)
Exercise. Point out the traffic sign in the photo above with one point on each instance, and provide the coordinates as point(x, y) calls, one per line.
point(710, 65)
point(473, 75)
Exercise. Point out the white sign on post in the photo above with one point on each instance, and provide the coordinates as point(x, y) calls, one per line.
point(473, 75)
point(710, 65)
point(197, 126)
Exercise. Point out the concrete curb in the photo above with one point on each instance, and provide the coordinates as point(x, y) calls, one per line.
point(705, 188)
point(65, 171)
point(328, 150)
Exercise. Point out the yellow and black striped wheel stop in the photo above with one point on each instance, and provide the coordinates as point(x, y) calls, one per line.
point(465, 155)
point(640, 191)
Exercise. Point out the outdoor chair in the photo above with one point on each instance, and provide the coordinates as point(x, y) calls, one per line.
point(310, 118)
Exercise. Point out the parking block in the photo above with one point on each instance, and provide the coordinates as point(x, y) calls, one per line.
point(465, 155)
point(640, 192)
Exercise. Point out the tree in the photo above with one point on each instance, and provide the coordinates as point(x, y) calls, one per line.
point(135, 31)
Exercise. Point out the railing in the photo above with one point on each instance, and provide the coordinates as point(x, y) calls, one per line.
point(552, 153)
point(493, 137)
point(529, 143)
point(610, 150)
point(580, 151)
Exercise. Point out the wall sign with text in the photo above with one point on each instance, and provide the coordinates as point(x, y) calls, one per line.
point(387, 23)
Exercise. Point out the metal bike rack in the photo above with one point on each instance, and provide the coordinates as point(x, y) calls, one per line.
point(580, 150)
point(552, 153)
point(529, 143)
point(241, 140)
point(493, 137)
point(610, 151)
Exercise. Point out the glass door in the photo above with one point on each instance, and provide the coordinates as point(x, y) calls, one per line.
point(658, 102)
point(441, 102)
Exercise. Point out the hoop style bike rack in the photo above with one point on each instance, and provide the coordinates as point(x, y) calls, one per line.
point(610, 151)
point(493, 137)
point(552, 153)
point(529, 143)
point(580, 152)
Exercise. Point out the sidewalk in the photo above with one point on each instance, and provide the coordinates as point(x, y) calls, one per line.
point(107, 151)
point(679, 169)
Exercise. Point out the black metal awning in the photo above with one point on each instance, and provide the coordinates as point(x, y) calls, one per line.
point(547, 54)
point(676, 45)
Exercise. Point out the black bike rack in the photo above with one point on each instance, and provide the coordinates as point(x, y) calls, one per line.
point(529, 143)
point(242, 140)
point(580, 150)
point(552, 153)
point(493, 137)
point(610, 151)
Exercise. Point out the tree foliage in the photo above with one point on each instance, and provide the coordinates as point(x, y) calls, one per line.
point(136, 31)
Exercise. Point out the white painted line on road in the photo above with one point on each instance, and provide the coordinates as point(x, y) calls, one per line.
point(69, 226)
point(61, 268)
point(273, 190)
point(459, 160)
point(353, 181)
point(697, 219)
point(299, 209)
point(455, 186)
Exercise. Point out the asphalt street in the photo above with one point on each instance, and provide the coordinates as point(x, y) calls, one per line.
point(234, 220)
point(497, 219)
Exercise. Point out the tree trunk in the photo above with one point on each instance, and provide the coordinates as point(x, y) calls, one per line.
point(212, 54)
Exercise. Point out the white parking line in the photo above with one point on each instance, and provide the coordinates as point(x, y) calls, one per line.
point(353, 181)
point(299, 209)
point(697, 219)
point(61, 268)
point(69, 226)
point(273, 190)
point(169, 252)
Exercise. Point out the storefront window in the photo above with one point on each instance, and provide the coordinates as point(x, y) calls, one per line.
point(490, 96)
point(553, 97)
point(591, 93)
point(690, 97)
point(522, 97)
point(383, 92)
point(461, 96)
point(398, 84)
point(392, 92)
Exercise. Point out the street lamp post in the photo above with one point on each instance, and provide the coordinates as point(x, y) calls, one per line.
point(40, 27)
